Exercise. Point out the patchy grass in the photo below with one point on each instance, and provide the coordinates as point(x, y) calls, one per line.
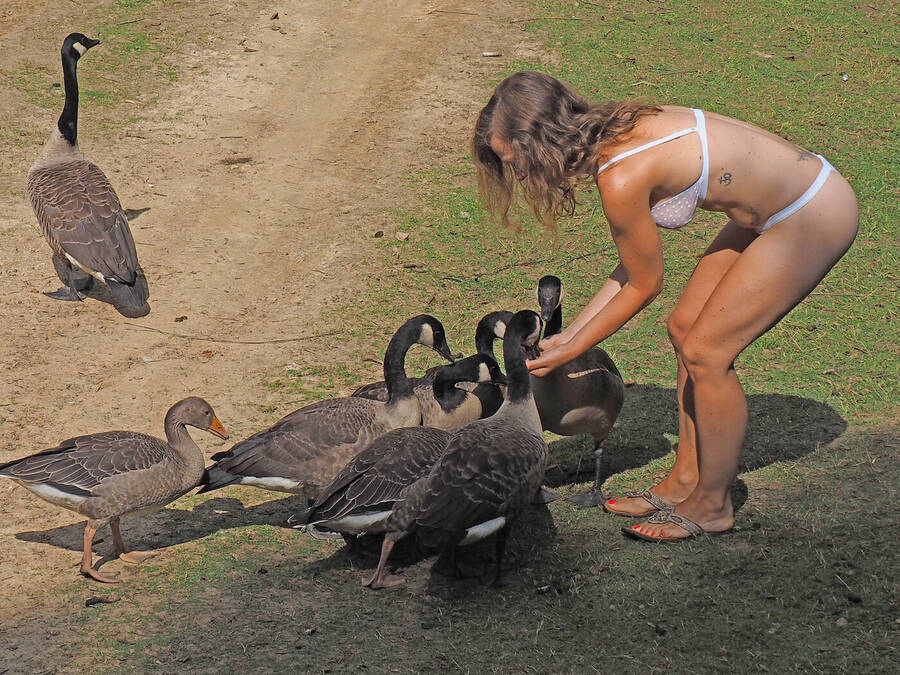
point(805, 583)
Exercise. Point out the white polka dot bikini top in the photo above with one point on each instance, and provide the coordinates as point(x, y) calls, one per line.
point(677, 211)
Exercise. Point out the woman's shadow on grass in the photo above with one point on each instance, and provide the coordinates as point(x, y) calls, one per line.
point(781, 428)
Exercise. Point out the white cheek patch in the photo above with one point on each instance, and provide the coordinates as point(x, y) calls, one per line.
point(80, 48)
point(500, 329)
point(426, 336)
point(533, 336)
point(484, 373)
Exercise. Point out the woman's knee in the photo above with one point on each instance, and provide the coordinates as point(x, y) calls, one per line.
point(702, 360)
point(678, 325)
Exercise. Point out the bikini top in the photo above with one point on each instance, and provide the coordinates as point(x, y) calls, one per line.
point(678, 210)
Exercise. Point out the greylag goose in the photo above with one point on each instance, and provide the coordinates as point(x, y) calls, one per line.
point(303, 451)
point(79, 212)
point(107, 475)
point(489, 471)
point(583, 396)
point(361, 496)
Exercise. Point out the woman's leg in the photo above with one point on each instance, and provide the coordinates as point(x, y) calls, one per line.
point(716, 261)
point(770, 278)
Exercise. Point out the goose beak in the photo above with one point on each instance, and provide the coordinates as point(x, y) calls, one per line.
point(500, 379)
point(217, 428)
point(88, 42)
point(444, 350)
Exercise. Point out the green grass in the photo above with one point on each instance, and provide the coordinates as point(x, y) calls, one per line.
point(807, 582)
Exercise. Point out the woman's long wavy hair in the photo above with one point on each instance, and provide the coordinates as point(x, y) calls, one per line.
point(557, 138)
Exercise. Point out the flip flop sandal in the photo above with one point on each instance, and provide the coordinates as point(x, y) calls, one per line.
point(661, 517)
point(658, 504)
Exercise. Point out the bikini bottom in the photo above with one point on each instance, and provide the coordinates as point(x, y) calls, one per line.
point(803, 200)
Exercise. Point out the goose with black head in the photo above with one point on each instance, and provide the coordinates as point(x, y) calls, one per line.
point(305, 450)
point(78, 210)
point(583, 396)
point(490, 470)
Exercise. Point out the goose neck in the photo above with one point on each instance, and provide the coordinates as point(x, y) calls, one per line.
point(178, 437)
point(554, 325)
point(519, 383)
point(398, 385)
point(68, 120)
point(448, 395)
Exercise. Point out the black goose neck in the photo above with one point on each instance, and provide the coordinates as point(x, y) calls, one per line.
point(554, 325)
point(484, 339)
point(398, 384)
point(448, 395)
point(519, 383)
point(68, 120)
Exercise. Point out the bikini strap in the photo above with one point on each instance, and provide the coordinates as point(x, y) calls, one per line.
point(658, 141)
point(704, 148)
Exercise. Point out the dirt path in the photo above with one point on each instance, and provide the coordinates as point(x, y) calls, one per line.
point(265, 171)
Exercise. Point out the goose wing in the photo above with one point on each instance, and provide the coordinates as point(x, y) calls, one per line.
point(314, 433)
point(486, 471)
point(81, 217)
point(382, 471)
point(79, 465)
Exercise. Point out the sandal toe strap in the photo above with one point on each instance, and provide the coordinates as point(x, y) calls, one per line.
point(656, 502)
point(661, 517)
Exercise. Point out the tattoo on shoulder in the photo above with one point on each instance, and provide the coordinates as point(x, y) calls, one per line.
point(803, 155)
point(725, 179)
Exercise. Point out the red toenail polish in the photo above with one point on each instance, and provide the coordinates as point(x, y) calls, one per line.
point(636, 527)
point(611, 501)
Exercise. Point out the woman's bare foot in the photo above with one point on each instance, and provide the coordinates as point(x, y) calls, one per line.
point(664, 496)
point(691, 518)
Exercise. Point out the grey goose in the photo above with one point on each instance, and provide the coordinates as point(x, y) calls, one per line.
point(107, 475)
point(489, 471)
point(583, 396)
point(361, 496)
point(303, 451)
point(78, 210)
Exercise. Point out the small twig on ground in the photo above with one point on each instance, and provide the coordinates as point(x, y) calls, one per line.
point(547, 18)
point(452, 11)
point(122, 23)
point(203, 338)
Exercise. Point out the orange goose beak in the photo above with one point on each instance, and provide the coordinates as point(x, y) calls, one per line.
point(217, 428)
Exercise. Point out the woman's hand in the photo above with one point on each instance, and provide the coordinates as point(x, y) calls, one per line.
point(552, 342)
point(550, 359)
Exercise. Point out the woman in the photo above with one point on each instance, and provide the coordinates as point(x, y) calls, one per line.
point(791, 217)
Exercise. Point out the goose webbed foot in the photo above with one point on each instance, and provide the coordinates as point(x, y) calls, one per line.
point(588, 499)
point(382, 578)
point(110, 578)
point(66, 294)
point(137, 557)
point(545, 496)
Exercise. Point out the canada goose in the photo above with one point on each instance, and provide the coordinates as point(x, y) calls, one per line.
point(79, 212)
point(490, 470)
point(490, 327)
point(303, 451)
point(583, 396)
point(361, 496)
point(105, 476)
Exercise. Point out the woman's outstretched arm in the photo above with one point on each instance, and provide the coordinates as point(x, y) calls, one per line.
point(632, 286)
